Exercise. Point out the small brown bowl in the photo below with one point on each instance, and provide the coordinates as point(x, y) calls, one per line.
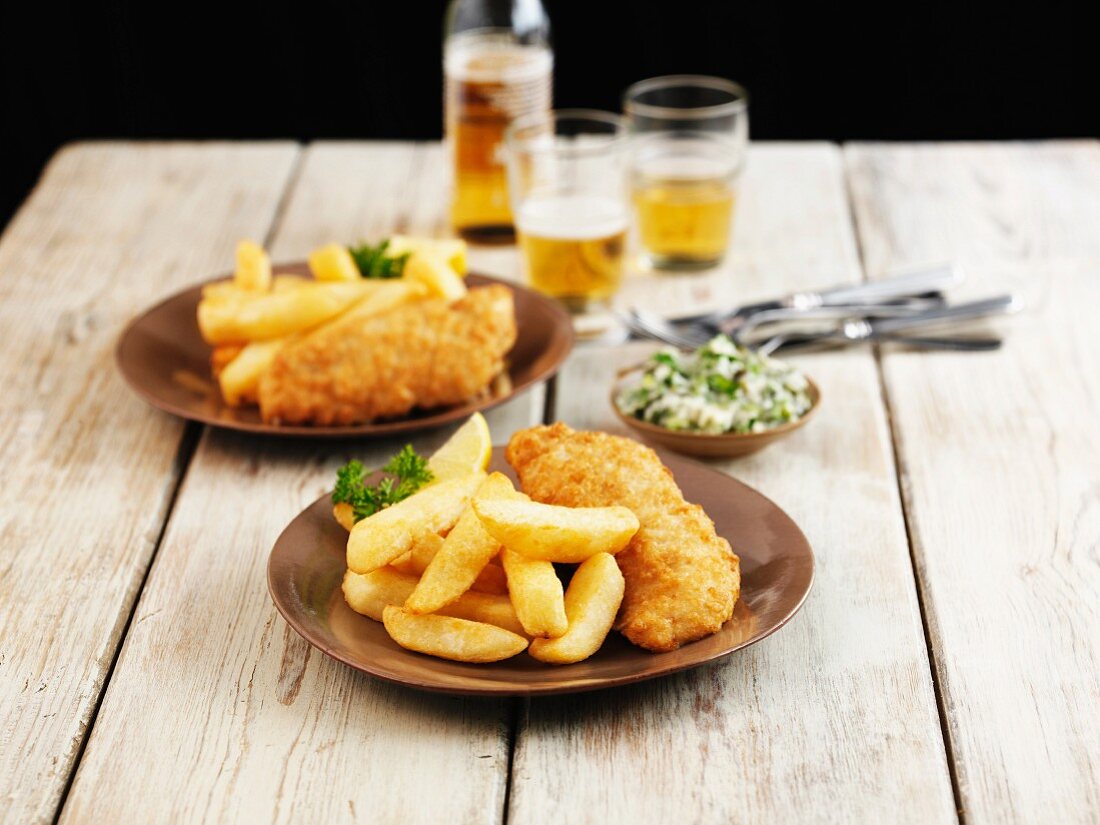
point(723, 445)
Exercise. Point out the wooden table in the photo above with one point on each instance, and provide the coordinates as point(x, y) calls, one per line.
point(946, 665)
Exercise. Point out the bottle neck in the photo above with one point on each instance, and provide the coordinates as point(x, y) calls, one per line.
point(524, 20)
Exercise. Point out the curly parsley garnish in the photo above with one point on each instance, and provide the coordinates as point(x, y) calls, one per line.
point(373, 262)
point(405, 473)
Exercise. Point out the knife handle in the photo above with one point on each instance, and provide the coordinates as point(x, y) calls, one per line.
point(934, 278)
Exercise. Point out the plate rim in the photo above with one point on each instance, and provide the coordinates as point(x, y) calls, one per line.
point(551, 688)
point(376, 430)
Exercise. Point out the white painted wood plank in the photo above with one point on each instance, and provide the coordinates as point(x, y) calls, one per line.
point(999, 456)
point(247, 722)
point(834, 717)
point(88, 467)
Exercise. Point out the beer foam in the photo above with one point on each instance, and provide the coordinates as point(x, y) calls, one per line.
point(484, 59)
point(572, 217)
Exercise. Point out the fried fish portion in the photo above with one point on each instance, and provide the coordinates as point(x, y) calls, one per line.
point(682, 579)
point(424, 354)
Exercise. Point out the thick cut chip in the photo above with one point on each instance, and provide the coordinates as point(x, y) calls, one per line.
point(420, 555)
point(436, 274)
point(448, 638)
point(239, 380)
point(370, 593)
point(333, 262)
point(415, 562)
point(389, 533)
point(465, 553)
point(344, 514)
point(552, 533)
point(253, 267)
point(452, 250)
point(491, 608)
point(242, 317)
point(591, 602)
point(536, 594)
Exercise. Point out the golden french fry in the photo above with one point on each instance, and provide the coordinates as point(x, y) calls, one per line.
point(370, 593)
point(536, 594)
point(591, 602)
point(243, 316)
point(491, 608)
point(253, 267)
point(424, 548)
point(221, 356)
point(381, 538)
point(345, 514)
point(333, 262)
point(415, 562)
point(223, 291)
point(491, 579)
point(448, 638)
point(434, 272)
point(452, 250)
point(239, 380)
point(286, 282)
point(229, 291)
point(464, 554)
point(552, 533)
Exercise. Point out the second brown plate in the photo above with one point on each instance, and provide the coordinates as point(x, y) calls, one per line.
point(164, 359)
point(777, 567)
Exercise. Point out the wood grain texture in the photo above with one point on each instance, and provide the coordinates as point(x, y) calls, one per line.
point(999, 458)
point(834, 717)
point(240, 718)
point(88, 468)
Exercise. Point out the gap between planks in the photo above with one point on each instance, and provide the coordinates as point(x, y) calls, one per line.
point(185, 452)
point(896, 458)
point(519, 706)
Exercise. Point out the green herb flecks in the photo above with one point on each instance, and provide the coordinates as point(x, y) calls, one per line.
point(404, 474)
point(373, 262)
point(719, 388)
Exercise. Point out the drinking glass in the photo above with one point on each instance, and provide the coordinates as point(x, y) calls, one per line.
point(567, 184)
point(689, 136)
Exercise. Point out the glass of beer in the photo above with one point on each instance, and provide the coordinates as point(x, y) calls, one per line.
point(490, 78)
point(567, 179)
point(690, 135)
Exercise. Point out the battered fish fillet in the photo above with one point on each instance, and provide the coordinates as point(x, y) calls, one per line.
point(682, 579)
point(424, 354)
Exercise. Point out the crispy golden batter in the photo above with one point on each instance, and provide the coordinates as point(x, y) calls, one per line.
point(425, 354)
point(682, 579)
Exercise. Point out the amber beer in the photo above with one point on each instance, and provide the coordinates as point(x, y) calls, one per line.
point(488, 82)
point(573, 247)
point(685, 210)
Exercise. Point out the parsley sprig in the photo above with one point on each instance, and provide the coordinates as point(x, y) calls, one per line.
point(373, 262)
point(405, 473)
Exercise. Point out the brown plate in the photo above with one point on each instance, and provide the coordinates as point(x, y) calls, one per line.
point(724, 445)
point(164, 359)
point(777, 566)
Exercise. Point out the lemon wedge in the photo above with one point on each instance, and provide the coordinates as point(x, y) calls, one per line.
point(333, 262)
point(436, 274)
point(452, 250)
point(467, 451)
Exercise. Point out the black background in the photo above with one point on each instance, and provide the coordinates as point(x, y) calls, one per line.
point(912, 70)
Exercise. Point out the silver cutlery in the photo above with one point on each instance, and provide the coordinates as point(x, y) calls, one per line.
point(907, 285)
point(894, 330)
